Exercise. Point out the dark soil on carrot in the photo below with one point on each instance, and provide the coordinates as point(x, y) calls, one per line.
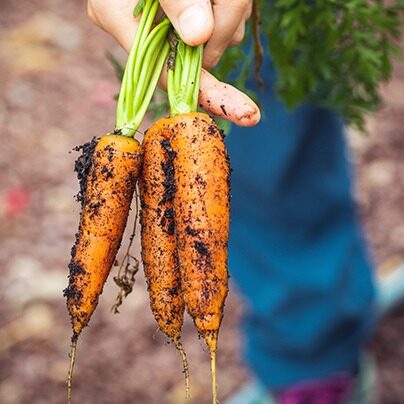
point(57, 92)
point(168, 169)
point(83, 164)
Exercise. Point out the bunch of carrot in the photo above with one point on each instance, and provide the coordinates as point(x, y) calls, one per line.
point(182, 171)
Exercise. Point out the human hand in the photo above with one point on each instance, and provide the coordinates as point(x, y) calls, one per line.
point(196, 21)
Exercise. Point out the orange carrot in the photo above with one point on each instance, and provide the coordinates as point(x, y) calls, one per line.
point(108, 195)
point(159, 253)
point(109, 183)
point(202, 198)
point(111, 178)
point(202, 214)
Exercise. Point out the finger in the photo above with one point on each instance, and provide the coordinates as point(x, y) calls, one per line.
point(227, 102)
point(223, 100)
point(125, 36)
point(228, 16)
point(249, 10)
point(192, 19)
point(91, 13)
point(118, 21)
point(240, 32)
point(238, 35)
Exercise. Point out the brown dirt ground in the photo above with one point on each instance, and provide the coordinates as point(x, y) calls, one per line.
point(56, 89)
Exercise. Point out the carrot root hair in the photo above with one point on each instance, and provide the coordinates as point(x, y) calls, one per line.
point(211, 342)
point(72, 355)
point(213, 374)
point(129, 267)
point(185, 366)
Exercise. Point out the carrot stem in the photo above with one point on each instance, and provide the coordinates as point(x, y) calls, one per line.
point(150, 53)
point(70, 371)
point(187, 66)
point(128, 73)
point(143, 68)
point(183, 78)
point(145, 38)
point(197, 77)
point(131, 127)
point(179, 65)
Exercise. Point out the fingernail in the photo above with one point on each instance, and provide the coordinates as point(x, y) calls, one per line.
point(192, 22)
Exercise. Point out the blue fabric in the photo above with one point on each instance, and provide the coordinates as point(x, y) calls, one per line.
point(296, 251)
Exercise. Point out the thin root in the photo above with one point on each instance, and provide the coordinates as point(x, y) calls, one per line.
point(70, 371)
point(213, 373)
point(129, 266)
point(185, 366)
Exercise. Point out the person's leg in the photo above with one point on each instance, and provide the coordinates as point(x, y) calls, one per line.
point(296, 251)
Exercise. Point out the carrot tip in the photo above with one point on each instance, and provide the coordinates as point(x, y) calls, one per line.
point(71, 367)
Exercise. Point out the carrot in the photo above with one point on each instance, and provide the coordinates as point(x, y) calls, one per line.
point(111, 175)
point(109, 187)
point(202, 207)
point(202, 213)
point(159, 253)
point(109, 190)
point(202, 198)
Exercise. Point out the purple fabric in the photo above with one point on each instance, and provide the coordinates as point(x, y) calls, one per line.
point(334, 390)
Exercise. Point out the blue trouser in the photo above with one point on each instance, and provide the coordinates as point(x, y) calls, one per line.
point(296, 251)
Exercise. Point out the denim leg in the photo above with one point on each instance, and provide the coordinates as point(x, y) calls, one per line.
point(296, 250)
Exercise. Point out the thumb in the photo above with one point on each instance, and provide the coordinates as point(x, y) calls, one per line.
point(192, 19)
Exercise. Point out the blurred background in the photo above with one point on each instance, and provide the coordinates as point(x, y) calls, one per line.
point(57, 92)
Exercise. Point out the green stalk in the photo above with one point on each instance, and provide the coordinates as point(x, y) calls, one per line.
point(195, 93)
point(187, 66)
point(121, 113)
point(194, 76)
point(143, 68)
point(179, 63)
point(171, 85)
point(130, 128)
point(183, 78)
point(149, 57)
point(144, 34)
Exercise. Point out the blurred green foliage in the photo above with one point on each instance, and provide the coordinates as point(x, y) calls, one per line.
point(332, 53)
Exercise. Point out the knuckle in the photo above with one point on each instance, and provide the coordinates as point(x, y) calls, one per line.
point(212, 58)
point(210, 63)
point(237, 38)
point(90, 12)
point(166, 5)
point(244, 4)
point(234, 42)
point(249, 11)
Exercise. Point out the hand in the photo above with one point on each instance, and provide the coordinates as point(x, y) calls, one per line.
point(197, 22)
point(220, 23)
